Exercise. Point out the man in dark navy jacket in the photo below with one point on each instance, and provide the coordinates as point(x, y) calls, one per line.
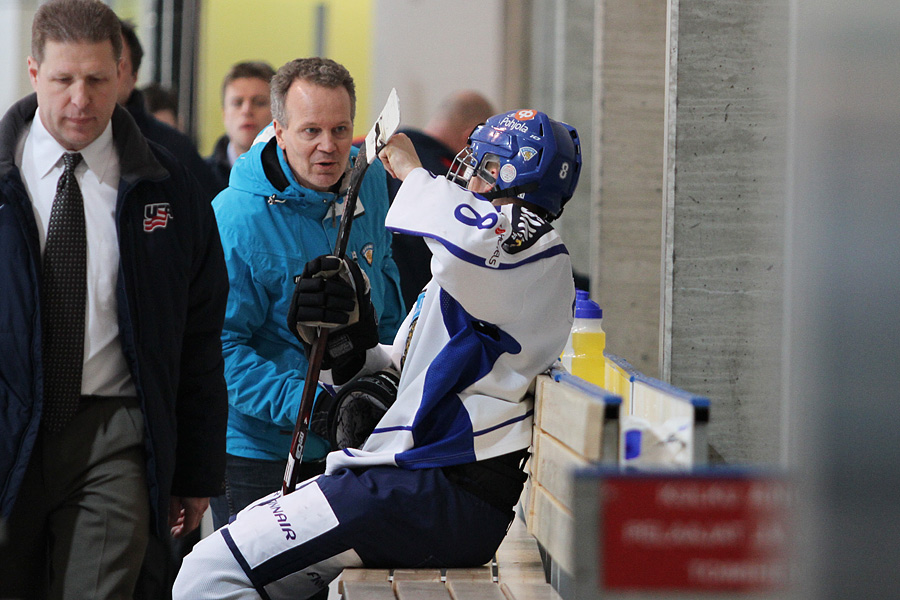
point(143, 448)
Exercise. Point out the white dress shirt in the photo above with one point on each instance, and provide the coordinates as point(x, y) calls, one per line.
point(105, 370)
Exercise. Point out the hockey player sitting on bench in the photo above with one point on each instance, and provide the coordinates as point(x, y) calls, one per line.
point(436, 481)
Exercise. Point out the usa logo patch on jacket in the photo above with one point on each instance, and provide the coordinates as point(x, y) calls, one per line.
point(156, 216)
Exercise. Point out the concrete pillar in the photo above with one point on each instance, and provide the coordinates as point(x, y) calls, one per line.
point(629, 55)
point(721, 330)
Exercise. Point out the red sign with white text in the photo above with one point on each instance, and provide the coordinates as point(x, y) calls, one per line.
point(690, 533)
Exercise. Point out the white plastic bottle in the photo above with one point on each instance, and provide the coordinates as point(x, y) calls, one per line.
point(588, 343)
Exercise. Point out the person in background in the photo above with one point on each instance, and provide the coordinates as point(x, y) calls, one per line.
point(112, 397)
point(162, 103)
point(154, 130)
point(444, 136)
point(246, 110)
point(281, 209)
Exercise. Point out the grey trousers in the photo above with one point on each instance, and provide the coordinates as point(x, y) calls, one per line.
point(80, 524)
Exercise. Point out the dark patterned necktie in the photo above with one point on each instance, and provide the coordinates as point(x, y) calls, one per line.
point(63, 300)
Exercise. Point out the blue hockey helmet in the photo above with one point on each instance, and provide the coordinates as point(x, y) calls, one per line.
point(539, 159)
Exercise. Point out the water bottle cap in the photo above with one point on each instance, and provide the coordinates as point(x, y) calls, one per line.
point(586, 308)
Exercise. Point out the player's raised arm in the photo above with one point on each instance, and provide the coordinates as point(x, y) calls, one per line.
point(399, 156)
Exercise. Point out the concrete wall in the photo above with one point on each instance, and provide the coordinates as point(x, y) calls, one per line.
point(430, 48)
point(561, 80)
point(724, 208)
point(684, 222)
point(630, 97)
point(15, 46)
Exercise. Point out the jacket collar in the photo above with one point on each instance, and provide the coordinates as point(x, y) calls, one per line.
point(12, 127)
point(136, 159)
point(263, 171)
point(334, 197)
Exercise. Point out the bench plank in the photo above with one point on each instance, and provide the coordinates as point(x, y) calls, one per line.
point(519, 557)
point(619, 376)
point(666, 427)
point(367, 590)
point(478, 574)
point(657, 405)
point(553, 465)
point(571, 415)
point(420, 590)
point(553, 526)
point(527, 591)
point(417, 575)
point(472, 590)
point(363, 575)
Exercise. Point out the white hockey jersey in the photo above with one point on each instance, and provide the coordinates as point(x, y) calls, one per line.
point(496, 314)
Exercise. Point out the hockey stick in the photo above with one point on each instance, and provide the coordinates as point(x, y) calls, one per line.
point(384, 128)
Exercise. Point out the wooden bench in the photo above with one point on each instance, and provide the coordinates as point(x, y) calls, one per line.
point(639, 423)
point(577, 425)
point(516, 574)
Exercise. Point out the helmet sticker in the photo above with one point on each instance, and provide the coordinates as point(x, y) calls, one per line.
point(507, 172)
point(528, 153)
point(526, 114)
point(513, 125)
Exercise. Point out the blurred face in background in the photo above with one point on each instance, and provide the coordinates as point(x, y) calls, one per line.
point(318, 134)
point(246, 110)
point(77, 86)
point(167, 116)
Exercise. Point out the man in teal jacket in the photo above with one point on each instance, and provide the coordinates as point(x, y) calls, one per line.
point(281, 209)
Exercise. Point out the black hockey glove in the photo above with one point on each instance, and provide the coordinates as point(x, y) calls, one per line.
point(359, 406)
point(320, 419)
point(334, 293)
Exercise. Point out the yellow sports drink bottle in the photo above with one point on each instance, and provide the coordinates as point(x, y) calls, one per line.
point(588, 342)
